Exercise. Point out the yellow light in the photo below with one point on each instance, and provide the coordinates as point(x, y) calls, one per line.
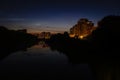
point(72, 35)
point(81, 37)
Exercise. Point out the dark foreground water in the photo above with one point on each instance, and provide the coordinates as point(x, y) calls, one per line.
point(39, 63)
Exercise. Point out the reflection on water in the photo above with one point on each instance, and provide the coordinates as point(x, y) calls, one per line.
point(106, 71)
point(39, 49)
point(39, 62)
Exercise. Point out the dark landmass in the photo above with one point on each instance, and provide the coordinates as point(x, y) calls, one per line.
point(101, 46)
point(12, 41)
point(100, 50)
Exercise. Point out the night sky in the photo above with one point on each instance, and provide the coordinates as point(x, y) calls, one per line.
point(53, 15)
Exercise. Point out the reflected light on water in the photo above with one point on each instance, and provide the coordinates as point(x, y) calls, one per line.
point(41, 44)
point(39, 49)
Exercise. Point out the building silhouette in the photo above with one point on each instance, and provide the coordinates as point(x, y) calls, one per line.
point(43, 35)
point(83, 28)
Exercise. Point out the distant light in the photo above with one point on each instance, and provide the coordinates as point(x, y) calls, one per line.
point(72, 35)
point(81, 37)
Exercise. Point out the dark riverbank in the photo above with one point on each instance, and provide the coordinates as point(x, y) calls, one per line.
point(82, 51)
point(100, 46)
point(12, 41)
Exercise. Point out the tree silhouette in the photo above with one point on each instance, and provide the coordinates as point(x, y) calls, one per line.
point(107, 35)
point(2, 28)
point(66, 34)
point(11, 41)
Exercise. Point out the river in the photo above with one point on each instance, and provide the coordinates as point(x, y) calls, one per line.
point(40, 62)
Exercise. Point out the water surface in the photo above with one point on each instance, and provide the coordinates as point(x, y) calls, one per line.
point(40, 62)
